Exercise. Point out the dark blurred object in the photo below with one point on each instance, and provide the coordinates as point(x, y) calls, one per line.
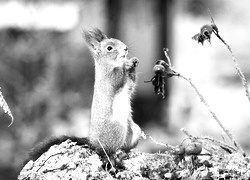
point(200, 7)
point(114, 12)
point(162, 71)
point(148, 108)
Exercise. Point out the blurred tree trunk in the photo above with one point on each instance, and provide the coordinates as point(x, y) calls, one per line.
point(146, 108)
point(164, 33)
point(151, 108)
point(114, 12)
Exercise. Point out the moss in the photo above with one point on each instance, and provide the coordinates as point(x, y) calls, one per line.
point(70, 161)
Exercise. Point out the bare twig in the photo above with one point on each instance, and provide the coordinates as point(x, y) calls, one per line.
point(221, 144)
point(188, 134)
point(158, 143)
point(237, 67)
point(168, 146)
point(207, 138)
point(165, 50)
point(171, 149)
point(230, 136)
point(105, 153)
point(206, 104)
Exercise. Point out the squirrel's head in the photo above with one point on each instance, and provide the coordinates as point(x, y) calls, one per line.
point(103, 47)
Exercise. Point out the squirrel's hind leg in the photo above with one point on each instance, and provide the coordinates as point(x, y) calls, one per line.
point(133, 136)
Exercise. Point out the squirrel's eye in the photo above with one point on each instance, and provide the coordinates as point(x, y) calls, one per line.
point(109, 48)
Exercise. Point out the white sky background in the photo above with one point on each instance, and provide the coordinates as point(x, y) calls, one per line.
point(210, 66)
point(49, 15)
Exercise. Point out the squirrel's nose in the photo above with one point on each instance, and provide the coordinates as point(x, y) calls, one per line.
point(126, 49)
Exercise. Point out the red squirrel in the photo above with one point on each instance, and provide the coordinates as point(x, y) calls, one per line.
point(111, 123)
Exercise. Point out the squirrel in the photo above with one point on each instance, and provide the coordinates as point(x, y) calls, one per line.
point(111, 125)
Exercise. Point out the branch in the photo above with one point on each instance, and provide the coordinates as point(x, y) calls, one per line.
point(112, 167)
point(169, 147)
point(230, 136)
point(220, 143)
point(237, 67)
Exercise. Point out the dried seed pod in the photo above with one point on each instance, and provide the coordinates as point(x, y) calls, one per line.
point(179, 150)
point(162, 62)
point(159, 69)
point(206, 31)
point(199, 38)
point(193, 148)
point(158, 80)
point(162, 70)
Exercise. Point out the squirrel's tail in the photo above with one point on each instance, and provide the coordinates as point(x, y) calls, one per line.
point(44, 146)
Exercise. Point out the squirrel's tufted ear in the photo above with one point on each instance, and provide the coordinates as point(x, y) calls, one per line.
point(93, 38)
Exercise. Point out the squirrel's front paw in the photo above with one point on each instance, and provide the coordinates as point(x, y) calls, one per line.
point(132, 63)
point(135, 61)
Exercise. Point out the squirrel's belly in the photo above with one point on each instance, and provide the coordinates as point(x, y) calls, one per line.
point(121, 108)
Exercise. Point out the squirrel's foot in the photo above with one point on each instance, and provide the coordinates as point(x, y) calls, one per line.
point(116, 160)
point(119, 158)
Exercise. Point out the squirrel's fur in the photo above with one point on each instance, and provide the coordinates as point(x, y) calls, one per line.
point(42, 147)
point(111, 120)
point(111, 123)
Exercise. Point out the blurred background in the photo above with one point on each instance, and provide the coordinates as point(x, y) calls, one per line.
point(47, 73)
